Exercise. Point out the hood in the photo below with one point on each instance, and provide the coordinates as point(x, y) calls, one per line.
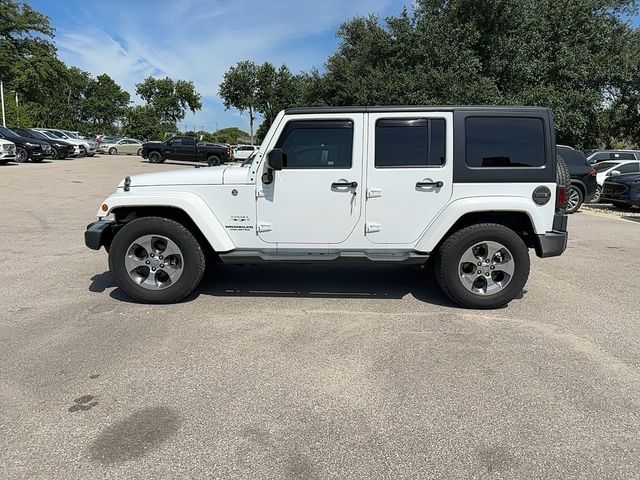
point(185, 176)
point(151, 144)
point(625, 178)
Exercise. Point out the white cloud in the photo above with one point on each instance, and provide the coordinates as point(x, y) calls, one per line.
point(199, 39)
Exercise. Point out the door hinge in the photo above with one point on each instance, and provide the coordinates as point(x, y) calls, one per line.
point(372, 227)
point(374, 192)
point(264, 227)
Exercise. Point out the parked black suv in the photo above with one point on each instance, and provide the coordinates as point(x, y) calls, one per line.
point(59, 149)
point(623, 191)
point(26, 148)
point(583, 177)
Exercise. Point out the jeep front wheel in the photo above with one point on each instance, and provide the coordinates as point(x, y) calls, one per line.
point(483, 266)
point(156, 260)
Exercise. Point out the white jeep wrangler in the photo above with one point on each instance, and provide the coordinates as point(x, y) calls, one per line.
point(471, 187)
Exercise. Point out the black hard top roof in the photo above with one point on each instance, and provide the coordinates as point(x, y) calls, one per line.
point(411, 108)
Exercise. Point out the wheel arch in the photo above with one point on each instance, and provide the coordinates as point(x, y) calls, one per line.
point(189, 210)
point(519, 214)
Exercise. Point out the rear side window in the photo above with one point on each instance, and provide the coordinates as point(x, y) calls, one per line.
point(410, 143)
point(317, 144)
point(513, 142)
point(188, 141)
point(623, 156)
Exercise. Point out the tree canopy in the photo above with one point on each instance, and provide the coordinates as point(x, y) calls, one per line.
point(578, 57)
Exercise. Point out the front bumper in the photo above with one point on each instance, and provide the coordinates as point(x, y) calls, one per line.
point(99, 234)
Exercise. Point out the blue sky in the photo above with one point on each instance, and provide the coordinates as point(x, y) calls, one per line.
point(199, 39)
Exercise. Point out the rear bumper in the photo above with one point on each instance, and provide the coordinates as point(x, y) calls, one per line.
point(99, 234)
point(554, 243)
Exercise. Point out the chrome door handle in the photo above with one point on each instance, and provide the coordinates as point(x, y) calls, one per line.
point(344, 184)
point(429, 184)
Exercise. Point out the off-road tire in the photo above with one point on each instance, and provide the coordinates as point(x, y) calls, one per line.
point(155, 157)
point(213, 161)
point(194, 259)
point(447, 265)
point(563, 178)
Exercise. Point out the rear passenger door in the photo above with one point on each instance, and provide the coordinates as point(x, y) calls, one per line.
point(409, 174)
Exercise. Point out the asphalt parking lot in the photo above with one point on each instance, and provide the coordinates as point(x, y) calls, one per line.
point(305, 372)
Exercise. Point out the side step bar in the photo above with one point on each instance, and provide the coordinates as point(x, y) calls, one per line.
point(299, 256)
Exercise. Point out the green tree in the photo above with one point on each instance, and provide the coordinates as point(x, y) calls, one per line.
point(105, 102)
point(170, 99)
point(141, 122)
point(239, 89)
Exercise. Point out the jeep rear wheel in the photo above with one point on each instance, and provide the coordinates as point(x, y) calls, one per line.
point(156, 260)
point(155, 157)
point(483, 266)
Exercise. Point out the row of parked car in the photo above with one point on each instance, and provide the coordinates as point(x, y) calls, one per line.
point(35, 144)
point(611, 176)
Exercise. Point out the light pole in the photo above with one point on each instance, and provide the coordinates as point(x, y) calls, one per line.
point(4, 121)
point(17, 109)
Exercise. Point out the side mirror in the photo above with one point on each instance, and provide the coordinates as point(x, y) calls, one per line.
point(276, 159)
point(615, 172)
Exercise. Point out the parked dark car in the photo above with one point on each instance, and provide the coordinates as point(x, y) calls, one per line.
point(623, 191)
point(26, 148)
point(583, 178)
point(188, 149)
point(59, 149)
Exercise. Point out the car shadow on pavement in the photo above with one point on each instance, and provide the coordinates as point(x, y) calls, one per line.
point(307, 281)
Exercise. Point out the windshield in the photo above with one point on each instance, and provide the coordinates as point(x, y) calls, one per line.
point(72, 135)
point(37, 134)
point(49, 135)
point(57, 134)
point(603, 166)
point(8, 133)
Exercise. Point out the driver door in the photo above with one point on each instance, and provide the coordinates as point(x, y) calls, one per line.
point(316, 199)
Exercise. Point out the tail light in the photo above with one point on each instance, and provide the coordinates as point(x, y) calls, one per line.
point(593, 173)
point(561, 197)
point(229, 152)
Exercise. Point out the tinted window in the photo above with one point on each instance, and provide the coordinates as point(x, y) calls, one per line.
point(189, 141)
point(505, 142)
point(572, 157)
point(628, 168)
point(623, 156)
point(599, 157)
point(317, 144)
point(410, 143)
point(176, 142)
point(601, 167)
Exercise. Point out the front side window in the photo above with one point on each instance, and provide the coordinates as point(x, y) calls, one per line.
point(176, 142)
point(515, 142)
point(629, 168)
point(188, 141)
point(410, 143)
point(317, 144)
